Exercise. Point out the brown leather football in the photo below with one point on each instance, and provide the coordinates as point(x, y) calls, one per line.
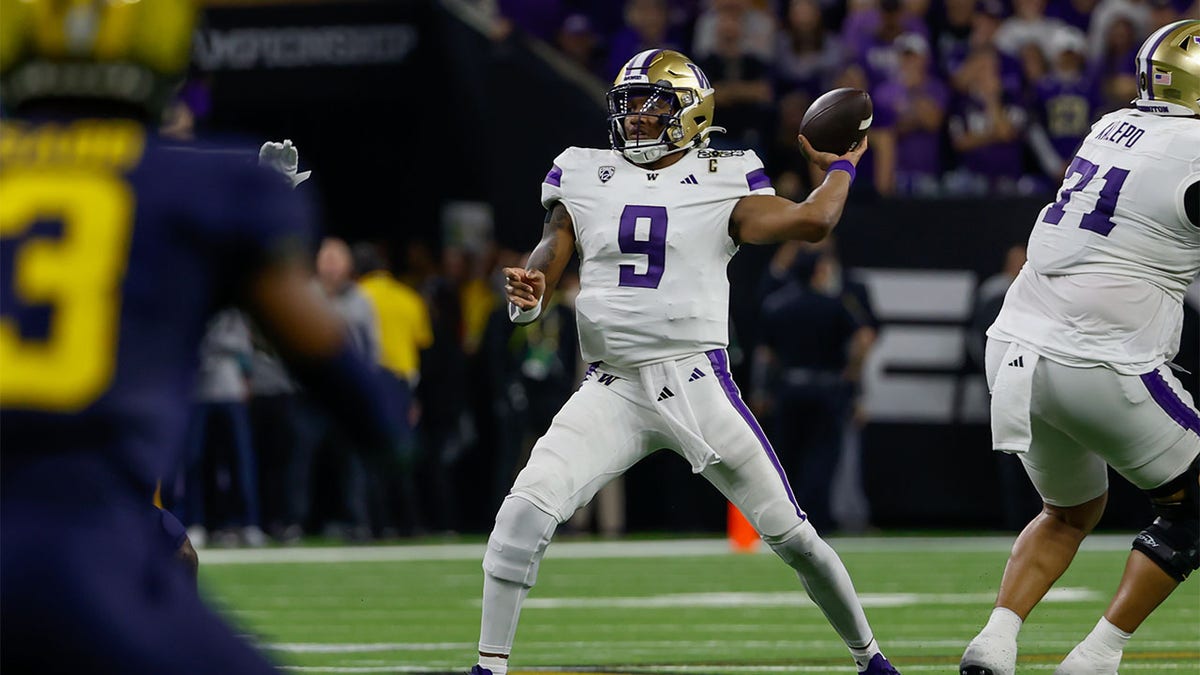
point(838, 120)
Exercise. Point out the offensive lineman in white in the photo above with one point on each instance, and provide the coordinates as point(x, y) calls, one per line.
point(656, 220)
point(1078, 360)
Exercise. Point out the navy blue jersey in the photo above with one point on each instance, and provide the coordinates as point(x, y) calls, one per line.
point(115, 248)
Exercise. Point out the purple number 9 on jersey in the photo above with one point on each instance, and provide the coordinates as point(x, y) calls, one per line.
point(654, 248)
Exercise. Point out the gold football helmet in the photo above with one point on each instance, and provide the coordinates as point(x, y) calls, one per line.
point(1168, 68)
point(664, 84)
point(129, 51)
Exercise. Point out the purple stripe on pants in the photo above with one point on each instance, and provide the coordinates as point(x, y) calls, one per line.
point(720, 364)
point(554, 177)
point(1169, 401)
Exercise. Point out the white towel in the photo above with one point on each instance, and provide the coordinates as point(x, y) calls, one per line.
point(1011, 395)
point(665, 388)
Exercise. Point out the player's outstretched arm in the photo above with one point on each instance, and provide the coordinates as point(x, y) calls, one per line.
point(313, 341)
point(764, 219)
point(527, 288)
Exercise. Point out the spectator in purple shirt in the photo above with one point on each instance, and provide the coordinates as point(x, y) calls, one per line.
point(864, 16)
point(869, 35)
point(647, 26)
point(906, 136)
point(1064, 103)
point(987, 129)
point(808, 53)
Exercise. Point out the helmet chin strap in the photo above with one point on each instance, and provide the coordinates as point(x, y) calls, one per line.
point(647, 155)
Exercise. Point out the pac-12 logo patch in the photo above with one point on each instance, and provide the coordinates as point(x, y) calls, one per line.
point(605, 173)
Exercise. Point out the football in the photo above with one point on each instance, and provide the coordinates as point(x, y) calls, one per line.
point(838, 120)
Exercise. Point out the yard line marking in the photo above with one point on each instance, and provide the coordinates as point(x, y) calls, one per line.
point(396, 668)
point(937, 668)
point(694, 668)
point(792, 599)
point(896, 645)
point(621, 549)
point(1142, 664)
point(364, 647)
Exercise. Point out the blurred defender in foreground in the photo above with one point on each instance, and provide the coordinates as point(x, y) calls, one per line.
point(114, 251)
point(1078, 360)
point(656, 219)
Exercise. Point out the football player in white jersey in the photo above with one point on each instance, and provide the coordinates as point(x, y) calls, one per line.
point(656, 219)
point(1078, 360)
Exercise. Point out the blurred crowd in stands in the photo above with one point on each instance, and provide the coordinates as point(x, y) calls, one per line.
point(971, 97)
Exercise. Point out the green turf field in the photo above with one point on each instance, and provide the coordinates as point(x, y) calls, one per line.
point(677, 606)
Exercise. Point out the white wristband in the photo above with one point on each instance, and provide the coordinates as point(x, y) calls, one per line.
point(520, 316)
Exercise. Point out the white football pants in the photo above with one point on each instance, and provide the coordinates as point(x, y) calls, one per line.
point(610, 424)
point(1145, 427)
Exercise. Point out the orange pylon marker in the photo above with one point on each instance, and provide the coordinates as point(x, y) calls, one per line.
point(742, 537)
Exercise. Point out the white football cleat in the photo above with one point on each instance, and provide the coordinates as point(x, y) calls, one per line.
point(989, 654)
point(1084, 660)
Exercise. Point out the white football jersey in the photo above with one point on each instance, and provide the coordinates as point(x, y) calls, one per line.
point(1110, 260)
point(653, 248)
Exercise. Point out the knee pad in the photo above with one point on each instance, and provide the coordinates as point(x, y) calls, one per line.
point(796, 548)
point(1173, 540)
point(515, 548)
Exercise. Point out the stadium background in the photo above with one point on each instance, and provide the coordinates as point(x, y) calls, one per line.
point(429, 126)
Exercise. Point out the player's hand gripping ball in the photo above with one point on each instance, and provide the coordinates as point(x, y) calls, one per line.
point(837, 121)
